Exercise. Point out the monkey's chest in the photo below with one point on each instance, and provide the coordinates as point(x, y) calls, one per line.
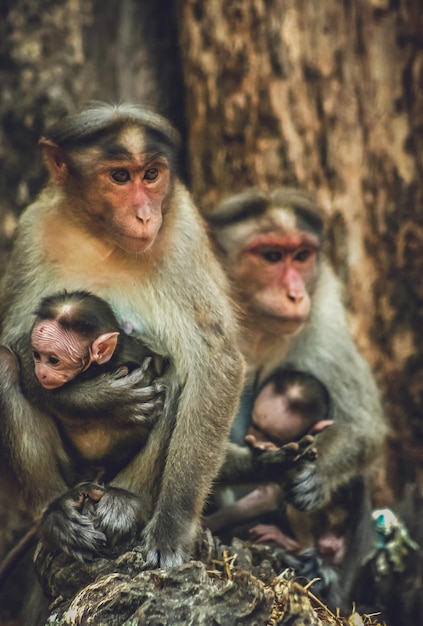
point(102, 442)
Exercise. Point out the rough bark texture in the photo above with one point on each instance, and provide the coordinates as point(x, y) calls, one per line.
point(241, 584)
point(328, 96)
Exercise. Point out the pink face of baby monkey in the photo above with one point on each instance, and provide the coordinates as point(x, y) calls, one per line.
point(61, 354)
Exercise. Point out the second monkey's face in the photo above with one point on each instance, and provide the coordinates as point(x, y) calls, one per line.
point(125, 192)
point(275, 272)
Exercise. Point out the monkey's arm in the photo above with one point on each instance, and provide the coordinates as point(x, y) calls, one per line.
point(261, 500)
point(355, 440)
point(243, 464)
point(31, 449)
point(132, 396)
point(205, 379)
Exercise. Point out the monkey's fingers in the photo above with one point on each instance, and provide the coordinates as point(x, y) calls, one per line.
point(320, 425)
point(270, 465)
point(306, 449)
point(121, 372)
point(74, 534)
point(166, 544)
point(142, 392)
point(145, 364)
point(253, 443)
point(117, 515)
point(95, 492)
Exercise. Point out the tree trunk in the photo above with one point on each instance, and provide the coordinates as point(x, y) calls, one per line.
point(327, 96)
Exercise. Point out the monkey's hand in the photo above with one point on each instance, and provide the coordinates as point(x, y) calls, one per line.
point(303, 486)
point(68, 525)
point(90, 519)
point(168, 541)
point(112, 391)
point(271, 464)
point(263, 533)
point(117, 513)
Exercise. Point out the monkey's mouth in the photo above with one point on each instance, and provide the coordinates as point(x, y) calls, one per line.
point(53, 385)
point(133, 245)
point(282, 324)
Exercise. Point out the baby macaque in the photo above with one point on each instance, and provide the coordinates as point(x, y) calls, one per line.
point(289, 409)
point(289, 405)
point(327, 545)
point(76, 333)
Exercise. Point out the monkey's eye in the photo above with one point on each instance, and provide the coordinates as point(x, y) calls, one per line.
point(302, 255)
point(151, 174)
point(120, 176)
point(53, 360)
point(272, 256)
point(36, 355)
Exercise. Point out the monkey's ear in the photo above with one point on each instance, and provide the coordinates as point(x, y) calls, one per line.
point(103, 347)
point(55, 160)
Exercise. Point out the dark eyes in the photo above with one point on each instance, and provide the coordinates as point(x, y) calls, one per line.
point(302, 255)
point(275, 256)
point(120, 176)
point(151, 174)
point(272, 256)
point(53, 360)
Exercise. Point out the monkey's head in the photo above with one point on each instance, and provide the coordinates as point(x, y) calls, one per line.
point(72, 331)
point(269, 245)
point(115, 165)
point(289, 404)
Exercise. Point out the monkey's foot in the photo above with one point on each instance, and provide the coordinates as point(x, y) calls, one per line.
point(67, 525)
point(167, 542)
point(89, 520)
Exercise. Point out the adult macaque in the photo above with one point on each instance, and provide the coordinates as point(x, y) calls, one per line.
point(77, 333)
point(115, 220)
point(270, 245)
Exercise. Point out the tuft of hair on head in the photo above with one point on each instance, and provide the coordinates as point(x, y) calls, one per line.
point(304, 204)
point(251, 202)
point(79, 311)
point(87, 125)
point(254, 202)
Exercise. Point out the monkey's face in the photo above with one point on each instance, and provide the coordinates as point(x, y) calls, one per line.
point(275, 420)
point(331, 534)
point(121, 185)
point(59, 354)
point(274, 275)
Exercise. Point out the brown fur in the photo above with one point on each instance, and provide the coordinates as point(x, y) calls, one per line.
point(173, 293)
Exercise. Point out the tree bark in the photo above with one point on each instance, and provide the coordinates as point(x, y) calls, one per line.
point(327, 96)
